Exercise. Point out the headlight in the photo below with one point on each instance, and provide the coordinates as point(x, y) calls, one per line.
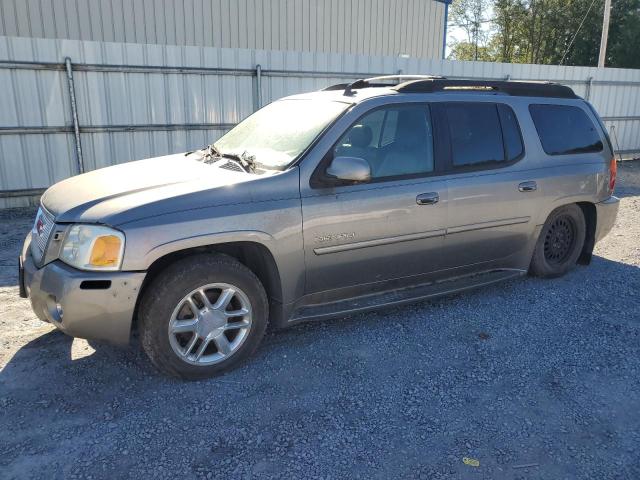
point(93, 247)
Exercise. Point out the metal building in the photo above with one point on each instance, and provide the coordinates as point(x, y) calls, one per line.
point(369, 27)
point(92, 83)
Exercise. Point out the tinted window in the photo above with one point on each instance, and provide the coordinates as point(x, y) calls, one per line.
point(476, 136)
point(510, 133)
point(389, 132)
point(395, 140)
point(564, 129)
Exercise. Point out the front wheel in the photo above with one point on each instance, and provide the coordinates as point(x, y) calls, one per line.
point(560, 242)
point(202, 316)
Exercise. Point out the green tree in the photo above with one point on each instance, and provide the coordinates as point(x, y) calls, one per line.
point(550, 32)
point(471, 52)
point(471, 17)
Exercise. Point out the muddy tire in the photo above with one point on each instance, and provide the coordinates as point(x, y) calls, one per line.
point(560, 242)
point(202, 316)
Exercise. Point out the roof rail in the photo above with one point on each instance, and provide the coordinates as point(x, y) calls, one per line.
point(386, 81)
point(399, 78)
point(434, 84)
point(511, 87)
point(380, 81)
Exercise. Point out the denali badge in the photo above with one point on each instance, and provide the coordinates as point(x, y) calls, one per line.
point(335, 237)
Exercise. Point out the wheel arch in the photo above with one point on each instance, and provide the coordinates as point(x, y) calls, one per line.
point(591, 221)
point(254, 255)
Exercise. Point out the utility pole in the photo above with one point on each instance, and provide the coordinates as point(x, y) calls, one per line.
point(605, 33)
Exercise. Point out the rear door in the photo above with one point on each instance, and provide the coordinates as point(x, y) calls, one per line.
point(392, 227)
point(491, 185)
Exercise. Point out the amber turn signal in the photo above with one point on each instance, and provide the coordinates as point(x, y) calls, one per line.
point(105, 251)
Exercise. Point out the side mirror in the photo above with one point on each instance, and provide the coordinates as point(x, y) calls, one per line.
point(353, 169)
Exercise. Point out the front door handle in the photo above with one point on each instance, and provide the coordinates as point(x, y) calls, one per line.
point(427, 198)
point(528, 187)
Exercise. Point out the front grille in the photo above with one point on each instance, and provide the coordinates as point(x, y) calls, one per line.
point(42, 228)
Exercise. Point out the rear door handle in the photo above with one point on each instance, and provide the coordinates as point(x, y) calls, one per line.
point(528, 187)
point(427, 198)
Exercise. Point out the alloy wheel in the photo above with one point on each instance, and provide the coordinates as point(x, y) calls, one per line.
point(210, 324)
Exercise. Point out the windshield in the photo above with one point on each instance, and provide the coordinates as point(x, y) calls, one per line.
point(276, 134)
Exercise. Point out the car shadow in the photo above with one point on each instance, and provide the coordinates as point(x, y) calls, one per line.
point(54, 358)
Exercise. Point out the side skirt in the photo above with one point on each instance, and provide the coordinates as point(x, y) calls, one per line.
point(400, 296)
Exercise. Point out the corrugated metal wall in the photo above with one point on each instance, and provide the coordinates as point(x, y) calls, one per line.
point(370, 27)
point(136, 101)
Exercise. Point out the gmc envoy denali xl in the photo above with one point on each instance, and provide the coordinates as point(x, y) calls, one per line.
point(375, 193)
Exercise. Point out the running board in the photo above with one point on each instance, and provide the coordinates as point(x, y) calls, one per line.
point(400, 296)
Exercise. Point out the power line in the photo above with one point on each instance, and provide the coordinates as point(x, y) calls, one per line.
point(577, 31)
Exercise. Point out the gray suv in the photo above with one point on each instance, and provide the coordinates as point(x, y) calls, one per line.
point(380, 192)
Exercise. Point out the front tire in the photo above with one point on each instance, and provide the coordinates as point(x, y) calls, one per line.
point(202, 316)
point(560, 242)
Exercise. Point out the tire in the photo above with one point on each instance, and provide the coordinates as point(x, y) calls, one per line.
point(560, 242)
point(172, 334)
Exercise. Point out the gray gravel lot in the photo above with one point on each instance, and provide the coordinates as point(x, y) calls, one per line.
point(532, 378)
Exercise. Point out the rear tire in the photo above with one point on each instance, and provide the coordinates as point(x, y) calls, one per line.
point(560, 242)
point(202, 316)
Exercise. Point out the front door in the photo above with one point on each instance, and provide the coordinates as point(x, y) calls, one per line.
point(391, 227)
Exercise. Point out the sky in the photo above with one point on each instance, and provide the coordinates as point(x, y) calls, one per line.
point(456, 34)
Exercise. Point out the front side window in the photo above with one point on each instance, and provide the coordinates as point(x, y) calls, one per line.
point(276, 134)
point(395, 141)
point(476, 134)
point(564, 129)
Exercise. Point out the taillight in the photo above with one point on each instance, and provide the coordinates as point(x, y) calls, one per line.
point(613, 171)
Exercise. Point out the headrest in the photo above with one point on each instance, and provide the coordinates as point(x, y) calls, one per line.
point(360, 136)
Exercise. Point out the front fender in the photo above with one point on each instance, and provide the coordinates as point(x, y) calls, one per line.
point(208, 240)
point(275, 225)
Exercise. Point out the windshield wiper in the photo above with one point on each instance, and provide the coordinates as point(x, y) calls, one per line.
point(212, 154)
point(246, 161)
point(209, 153)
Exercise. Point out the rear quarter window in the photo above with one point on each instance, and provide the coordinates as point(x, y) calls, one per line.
point(565, 130)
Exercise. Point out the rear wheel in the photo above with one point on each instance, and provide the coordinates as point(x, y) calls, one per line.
point(560, 242)
point(202, 316)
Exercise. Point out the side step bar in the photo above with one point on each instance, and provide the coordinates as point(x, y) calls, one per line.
point(400, 296)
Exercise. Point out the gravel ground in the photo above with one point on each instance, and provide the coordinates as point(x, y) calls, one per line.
point(532, 378)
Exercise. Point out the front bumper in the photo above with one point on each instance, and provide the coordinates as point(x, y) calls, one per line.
point(606, 213)
point(91, 305)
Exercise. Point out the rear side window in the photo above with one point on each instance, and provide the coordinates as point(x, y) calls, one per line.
point(564, 129)
point(482, 133)
point(510, 133)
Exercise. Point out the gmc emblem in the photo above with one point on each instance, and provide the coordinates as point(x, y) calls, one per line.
point(39, 226)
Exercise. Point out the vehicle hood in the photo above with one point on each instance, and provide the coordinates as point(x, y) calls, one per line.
point(146, 188)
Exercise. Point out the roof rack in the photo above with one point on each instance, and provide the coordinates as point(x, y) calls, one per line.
point(380, 81)
point(434, 84)
point(509, 87)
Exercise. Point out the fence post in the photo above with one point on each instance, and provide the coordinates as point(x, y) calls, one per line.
point(587, 93)
point(258, 102)
point(74, 115)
